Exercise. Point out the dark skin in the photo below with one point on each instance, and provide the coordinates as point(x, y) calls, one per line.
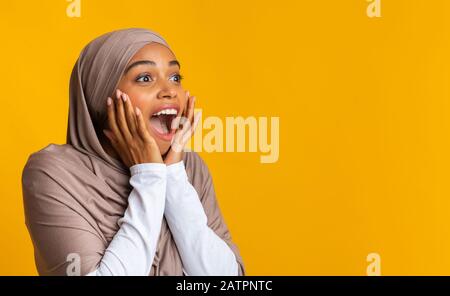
point(154, 82)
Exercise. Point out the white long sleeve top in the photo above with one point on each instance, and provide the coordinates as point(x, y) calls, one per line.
point(165, 190)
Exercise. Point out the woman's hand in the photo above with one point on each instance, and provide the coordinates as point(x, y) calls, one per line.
point(188, 122)
point(129, 135)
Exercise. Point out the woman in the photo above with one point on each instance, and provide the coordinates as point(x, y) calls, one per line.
point(121, 197)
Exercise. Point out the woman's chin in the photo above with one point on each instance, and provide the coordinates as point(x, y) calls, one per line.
point(163, 142)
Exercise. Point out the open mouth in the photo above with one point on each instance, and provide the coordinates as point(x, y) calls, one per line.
point(161, 122)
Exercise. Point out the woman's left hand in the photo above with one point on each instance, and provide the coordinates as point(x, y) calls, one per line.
point(185, 124)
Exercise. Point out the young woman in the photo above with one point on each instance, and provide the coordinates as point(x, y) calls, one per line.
point(121, 197)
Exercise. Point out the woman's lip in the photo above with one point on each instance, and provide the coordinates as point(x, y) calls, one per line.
point(165, 137)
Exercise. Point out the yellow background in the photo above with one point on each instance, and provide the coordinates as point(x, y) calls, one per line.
point(364, 121)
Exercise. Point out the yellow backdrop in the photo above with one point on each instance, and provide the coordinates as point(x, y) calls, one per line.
point(363, 103)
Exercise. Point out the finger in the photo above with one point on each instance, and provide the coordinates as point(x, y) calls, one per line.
point(186, 105)
point(185, 124)
point(142, 128)
point(190, 128)
point(197, 117)
point(130, 115)
point(186, 108)
point(190, 114)
point(112, 119)
point(185, 133)
point(175, 123)
point(121, 120)
point(183, 113)
point(111, 137)
point(177, 141)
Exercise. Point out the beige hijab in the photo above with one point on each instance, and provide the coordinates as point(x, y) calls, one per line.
point(75, 193)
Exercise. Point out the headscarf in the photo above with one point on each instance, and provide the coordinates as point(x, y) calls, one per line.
point(75, 193)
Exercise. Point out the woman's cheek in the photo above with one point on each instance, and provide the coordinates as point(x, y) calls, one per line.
point(184, 102)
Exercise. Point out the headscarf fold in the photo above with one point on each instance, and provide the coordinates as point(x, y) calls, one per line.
point(75, 193)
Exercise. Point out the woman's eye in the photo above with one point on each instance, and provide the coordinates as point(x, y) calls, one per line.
point(176, 78)
point(144, 78)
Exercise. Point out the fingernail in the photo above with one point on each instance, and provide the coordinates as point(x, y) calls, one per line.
point(138, 112)
point(187, 94)
point(109, 101)
point(124, 97)
point(117, 93)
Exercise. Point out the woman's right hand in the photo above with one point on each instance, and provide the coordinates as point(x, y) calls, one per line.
point(129, 135)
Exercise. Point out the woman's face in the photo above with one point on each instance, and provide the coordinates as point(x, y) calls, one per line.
point(152, 80)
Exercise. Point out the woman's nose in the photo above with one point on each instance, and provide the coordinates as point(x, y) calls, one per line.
point(167, 92)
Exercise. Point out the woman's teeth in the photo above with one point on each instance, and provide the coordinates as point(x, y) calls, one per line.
point(166, 112)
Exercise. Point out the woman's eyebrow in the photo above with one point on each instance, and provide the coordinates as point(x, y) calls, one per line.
point(152, 63)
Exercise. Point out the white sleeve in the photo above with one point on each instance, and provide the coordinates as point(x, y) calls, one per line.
point(133, 247)
point(202, 251)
